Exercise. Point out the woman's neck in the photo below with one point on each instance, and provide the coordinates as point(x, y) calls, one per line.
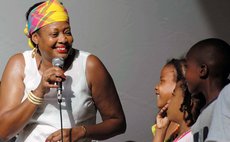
point(42, 64)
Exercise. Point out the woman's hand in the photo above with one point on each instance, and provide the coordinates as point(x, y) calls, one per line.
point(49, 79)
point(56, 136)
point(69, 135)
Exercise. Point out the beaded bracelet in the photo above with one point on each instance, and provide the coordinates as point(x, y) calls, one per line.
point(34, 99)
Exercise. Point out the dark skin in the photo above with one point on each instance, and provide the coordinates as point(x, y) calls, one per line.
point(15, 113)
point(164, 90)
point(201, 64)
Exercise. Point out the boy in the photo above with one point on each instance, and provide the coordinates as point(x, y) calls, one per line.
point(207, 70)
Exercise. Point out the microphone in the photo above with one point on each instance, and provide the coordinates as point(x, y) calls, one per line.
point(58, 62)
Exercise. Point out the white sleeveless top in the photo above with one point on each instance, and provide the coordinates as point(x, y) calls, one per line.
point(77, 105)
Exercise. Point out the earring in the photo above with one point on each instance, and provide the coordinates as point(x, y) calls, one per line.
point(35, 50)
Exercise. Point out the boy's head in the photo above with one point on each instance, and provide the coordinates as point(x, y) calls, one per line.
point(207, 59)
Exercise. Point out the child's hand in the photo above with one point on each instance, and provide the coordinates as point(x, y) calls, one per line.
point(162, 119)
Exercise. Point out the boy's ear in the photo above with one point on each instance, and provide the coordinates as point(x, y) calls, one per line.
point(204, 71)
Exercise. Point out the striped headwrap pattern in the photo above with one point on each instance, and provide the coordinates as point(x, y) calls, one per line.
point(44, 14)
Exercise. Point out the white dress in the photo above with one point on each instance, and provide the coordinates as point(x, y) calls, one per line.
point(78, 107)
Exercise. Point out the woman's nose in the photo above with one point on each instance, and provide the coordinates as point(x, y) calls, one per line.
point(62, 38)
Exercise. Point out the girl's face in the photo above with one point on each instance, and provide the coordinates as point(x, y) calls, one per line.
point(165, 87)
point(173, 112)
point(54, 40)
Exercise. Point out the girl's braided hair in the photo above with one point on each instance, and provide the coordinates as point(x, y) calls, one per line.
point(187, 105)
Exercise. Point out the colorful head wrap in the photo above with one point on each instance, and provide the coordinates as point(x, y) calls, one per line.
point(44, 14)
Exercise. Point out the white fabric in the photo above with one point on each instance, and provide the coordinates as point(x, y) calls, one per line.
point(77, 106)
point(186, 138)
point(220, 125)
point(201, 127)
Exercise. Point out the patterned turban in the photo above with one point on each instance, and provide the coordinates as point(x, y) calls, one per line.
point(46, 13)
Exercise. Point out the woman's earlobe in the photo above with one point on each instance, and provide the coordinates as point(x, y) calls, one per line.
point(34, 38)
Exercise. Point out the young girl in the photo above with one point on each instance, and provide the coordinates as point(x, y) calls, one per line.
point(164, 90)
point(182, 108)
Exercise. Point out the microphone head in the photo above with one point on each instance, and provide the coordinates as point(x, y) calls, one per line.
point(58, 62)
